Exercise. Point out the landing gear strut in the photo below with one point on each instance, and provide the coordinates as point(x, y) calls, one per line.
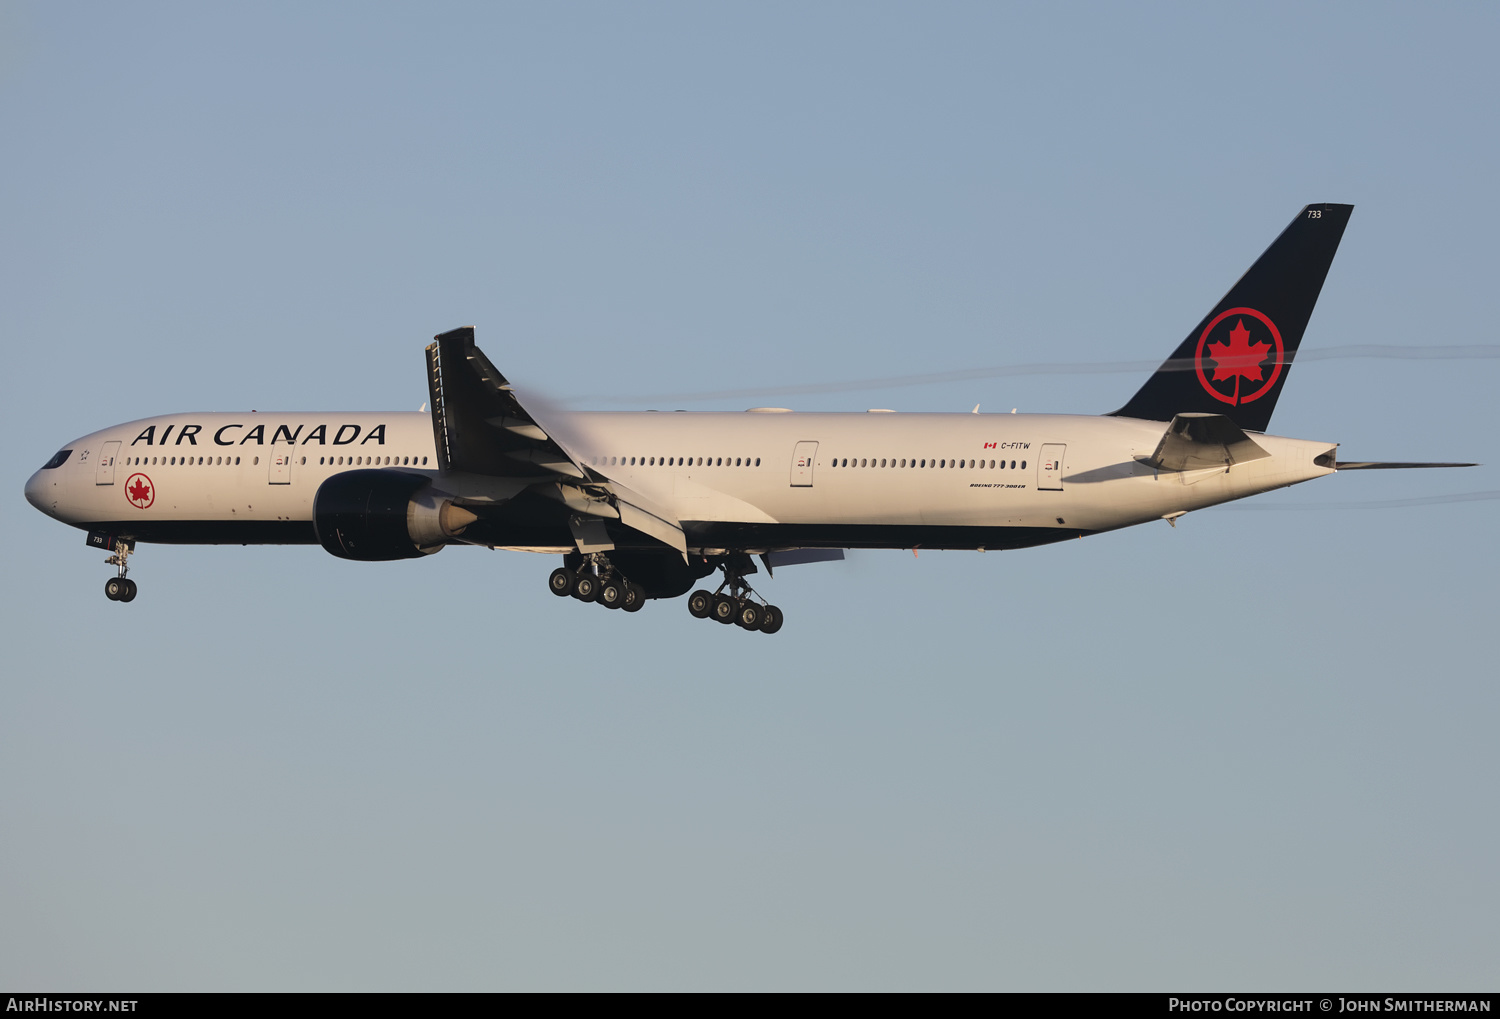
point(591, 577)
point(734, 601)
point(120, 587)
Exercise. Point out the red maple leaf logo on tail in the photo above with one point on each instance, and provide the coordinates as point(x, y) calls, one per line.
point(1239, 358)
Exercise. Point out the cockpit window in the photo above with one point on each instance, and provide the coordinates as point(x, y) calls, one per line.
point(58, 460)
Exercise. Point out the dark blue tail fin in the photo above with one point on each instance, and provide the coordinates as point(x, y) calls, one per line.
point(1236, 360)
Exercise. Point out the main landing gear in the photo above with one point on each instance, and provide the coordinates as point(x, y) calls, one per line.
point(593, 578)
point(734, 601)
point(120, 587)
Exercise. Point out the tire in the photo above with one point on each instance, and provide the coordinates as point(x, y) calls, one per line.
point(771, 619)
point(113, 588)
point(561, 581)
point(725, 609)
point(635, 599)
point(586, 587)
point(700, 604)
point(612, 594)
point(749, 616)
point(130, 590)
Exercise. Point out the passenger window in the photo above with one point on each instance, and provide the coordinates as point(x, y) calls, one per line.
point(1023, 465)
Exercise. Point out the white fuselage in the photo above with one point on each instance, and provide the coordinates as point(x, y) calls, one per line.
point(773, 479)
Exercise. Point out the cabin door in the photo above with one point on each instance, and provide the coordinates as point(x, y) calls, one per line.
point(1050, 467)
point(104, 473)
point(281, 468)
point(803, 458)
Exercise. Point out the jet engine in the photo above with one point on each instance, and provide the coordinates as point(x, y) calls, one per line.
point(375, 516)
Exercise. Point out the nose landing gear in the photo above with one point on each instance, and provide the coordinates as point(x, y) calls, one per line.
point(734, 601)
point(120, 587)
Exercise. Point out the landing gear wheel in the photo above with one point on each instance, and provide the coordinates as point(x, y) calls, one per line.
point(586, 587)
point(700, 604)
point(771, 619)
point(725, 609)
point(612, 594)
point(749, 616)
point(635, 598)
point(561, 581)
point(129, 593)
point(114, 588)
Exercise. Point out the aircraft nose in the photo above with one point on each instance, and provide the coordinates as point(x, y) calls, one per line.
point(40, 492)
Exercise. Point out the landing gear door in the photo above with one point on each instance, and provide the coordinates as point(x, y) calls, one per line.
point(104, 473)
point(281, 468)
point(803, 458)
point(1050, 467)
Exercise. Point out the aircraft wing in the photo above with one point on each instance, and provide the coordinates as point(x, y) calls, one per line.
point(480, 427)
point(478, 423)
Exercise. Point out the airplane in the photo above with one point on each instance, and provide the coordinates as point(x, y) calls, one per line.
point(644, 505)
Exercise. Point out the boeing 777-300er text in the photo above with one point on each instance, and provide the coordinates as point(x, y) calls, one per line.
point(644, 505)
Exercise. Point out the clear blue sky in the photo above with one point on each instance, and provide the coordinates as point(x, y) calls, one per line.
point(1256, 751)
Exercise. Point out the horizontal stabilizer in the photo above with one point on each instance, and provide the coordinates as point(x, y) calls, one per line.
point(1195, 442)
point(1389, 465)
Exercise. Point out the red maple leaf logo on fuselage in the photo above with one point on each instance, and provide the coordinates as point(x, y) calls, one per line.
point(1239, 358)
point(140, 492)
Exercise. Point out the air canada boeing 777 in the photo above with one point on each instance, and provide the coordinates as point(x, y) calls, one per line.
point(645, 505)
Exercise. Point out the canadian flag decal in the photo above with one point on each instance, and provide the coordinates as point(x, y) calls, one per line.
point(990, 445)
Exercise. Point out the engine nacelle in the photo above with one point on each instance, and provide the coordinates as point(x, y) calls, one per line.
point(377, 516)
